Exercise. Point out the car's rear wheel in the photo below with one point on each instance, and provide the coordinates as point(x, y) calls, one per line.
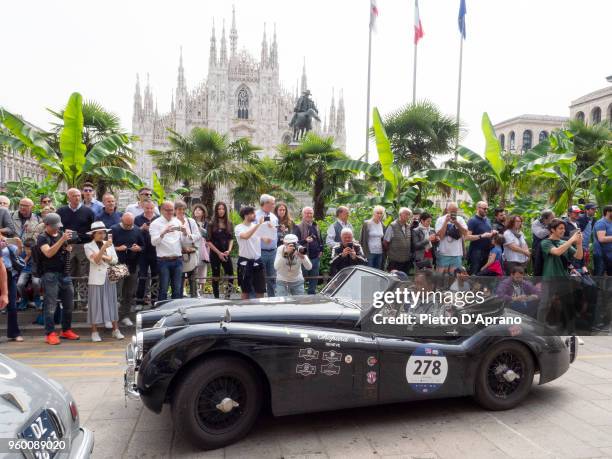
point(505, 376)
point(217, 402)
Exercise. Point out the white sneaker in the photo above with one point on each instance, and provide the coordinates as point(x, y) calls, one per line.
point(108, 325)
point(95, 337)
point(127, 322)
point(117, 334)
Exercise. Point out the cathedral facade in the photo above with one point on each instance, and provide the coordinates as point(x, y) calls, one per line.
point(241, 96)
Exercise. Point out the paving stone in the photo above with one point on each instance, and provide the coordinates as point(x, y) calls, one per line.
point(149, 445)
point(111, 437)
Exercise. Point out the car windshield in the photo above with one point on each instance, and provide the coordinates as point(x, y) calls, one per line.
point(357, 286)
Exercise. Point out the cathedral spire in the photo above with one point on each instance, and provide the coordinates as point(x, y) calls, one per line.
point(180, 86)
point(332, 114)
point(148, 99)
point(340, 125)
point(233, 33)
point(212, 58)
point(264, 49)
point(304, 85)
point(223, 55)
point(172, 103)
point(274, 51)
point(137, 101)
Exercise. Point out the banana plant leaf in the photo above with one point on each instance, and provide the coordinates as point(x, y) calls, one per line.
point(158, 189)
point(120, 174)
point(545, 162)
point(29, 136)
point(474, 158)
point(71, 137)
point(104, 149)
point(385, 154)
point(354, 165)
point(450, 177)
point(492, 147)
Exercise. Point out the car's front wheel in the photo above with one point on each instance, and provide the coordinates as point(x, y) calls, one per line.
point(217, 402)
point(505, 376)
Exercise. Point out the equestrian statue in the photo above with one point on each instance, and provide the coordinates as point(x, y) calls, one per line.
point(305, 110)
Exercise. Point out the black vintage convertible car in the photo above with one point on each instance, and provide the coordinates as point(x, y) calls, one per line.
point(218, 362)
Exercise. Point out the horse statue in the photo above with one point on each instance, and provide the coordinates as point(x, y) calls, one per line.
point(303, 123)
point(305, 110)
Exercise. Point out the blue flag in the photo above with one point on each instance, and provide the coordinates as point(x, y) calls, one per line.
point(462, 11)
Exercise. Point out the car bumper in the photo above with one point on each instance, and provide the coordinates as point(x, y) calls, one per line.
point(572, 344)
point(129, 377)
point(82, 445)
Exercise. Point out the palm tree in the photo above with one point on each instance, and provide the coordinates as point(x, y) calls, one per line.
point(64, 154)
point(205, 158)
point(307, 166)
point(257, 179)
point(418, 133)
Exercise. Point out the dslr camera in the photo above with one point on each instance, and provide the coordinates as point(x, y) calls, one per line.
point(297, 249)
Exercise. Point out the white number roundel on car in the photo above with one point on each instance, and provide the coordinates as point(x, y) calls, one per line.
point(426, 370)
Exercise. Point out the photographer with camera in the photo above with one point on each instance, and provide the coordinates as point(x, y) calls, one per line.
point(346, 253)
point(481, 233)
point(309, 236)
point(290, 257)
point(451, 229)
point(54, 269)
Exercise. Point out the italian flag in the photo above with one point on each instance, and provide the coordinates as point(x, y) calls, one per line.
point(418, 27)
point(373, 14)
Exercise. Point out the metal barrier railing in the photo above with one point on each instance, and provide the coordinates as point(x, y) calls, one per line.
point(81, 289)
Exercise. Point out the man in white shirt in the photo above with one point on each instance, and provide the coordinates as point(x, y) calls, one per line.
point(166, 232)
point(451, 229)
point(136, 209)
point(251, 271)
point(333, 231)
point(268, 244)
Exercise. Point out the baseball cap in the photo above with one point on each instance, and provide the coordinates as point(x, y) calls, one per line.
point(574, 209)
point(590, 206)
point(54, 220)
point(290, 239)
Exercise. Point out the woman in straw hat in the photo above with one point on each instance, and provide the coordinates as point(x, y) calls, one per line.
point(102, 293)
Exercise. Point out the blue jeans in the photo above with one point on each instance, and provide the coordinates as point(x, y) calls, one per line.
point(375, 260)
point(170, 275)
point(314, 271)
point(57, 286)
point(289, 288)
point(267, 258)
point(12, 325)
point(145, 263)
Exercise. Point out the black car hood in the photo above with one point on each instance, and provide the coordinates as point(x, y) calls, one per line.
point(304, 310)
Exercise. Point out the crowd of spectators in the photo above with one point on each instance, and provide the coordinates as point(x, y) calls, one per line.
point(43, 252)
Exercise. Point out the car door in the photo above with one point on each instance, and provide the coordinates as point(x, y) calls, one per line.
point(325, 369)
point(416, 368)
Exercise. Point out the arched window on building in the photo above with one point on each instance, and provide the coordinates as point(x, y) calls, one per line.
point(511, 141)
point(527, 139)
point(610, 114)
point(502, 141)
point(543, 136)
point(596, 115)
point(243, 104)
point(580, 116)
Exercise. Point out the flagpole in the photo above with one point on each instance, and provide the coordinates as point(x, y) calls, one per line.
point(414, 73)
point(458, 103)
point(367, 145)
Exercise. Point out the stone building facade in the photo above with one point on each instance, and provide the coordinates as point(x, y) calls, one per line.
point(523, 132)
point(593, 107)
point(241, 96)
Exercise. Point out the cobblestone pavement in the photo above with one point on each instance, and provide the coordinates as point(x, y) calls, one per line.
point(570, 417)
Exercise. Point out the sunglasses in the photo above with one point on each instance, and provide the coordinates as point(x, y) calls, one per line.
point(146, 194)
point(87, 190)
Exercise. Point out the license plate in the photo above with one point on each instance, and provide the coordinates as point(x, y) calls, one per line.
point(42, 432)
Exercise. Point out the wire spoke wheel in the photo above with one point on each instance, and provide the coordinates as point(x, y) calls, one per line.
point(214, 392)
point(499, 385)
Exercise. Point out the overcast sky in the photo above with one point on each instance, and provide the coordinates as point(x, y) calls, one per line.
point(520, 56)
